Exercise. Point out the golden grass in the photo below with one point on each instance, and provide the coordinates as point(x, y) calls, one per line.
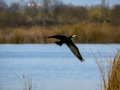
point(114, 74)
point(112, 81)
point(86, 33)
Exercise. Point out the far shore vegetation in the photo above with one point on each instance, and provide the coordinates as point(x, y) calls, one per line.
point(30, 21)
point(86, 33)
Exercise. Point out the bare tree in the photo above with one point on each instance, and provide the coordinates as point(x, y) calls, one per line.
point(71, 13)
point(115, 15)
point(66, 13)
point(3, 6)
point(56, 9)
point(104, 10)
point(14, 12)
point(45, 8)
point(31, 9)
point(80, 13)
point(21, 4)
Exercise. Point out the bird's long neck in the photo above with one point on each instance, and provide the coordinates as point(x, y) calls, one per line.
point(70, 37)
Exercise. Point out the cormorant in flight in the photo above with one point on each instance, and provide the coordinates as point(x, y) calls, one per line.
point(69, 43)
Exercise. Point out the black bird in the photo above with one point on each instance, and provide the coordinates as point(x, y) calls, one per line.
point(69, 43)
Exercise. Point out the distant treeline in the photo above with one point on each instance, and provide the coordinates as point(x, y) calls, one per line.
point(55, 12)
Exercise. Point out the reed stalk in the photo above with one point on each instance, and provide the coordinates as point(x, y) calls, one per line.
point(112, 82)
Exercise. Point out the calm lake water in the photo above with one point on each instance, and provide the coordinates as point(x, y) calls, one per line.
point(52, 67)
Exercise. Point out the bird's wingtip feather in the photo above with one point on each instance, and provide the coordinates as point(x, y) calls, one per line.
point(82, 60)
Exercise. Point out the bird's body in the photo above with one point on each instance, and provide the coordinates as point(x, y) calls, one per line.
point(69, 43)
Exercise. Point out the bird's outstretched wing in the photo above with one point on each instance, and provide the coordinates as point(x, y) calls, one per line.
point(75, 50)
point(57, 36)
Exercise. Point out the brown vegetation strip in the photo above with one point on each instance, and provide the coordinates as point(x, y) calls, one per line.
point(86, 33)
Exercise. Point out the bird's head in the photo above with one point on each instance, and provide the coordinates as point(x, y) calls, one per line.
point(72, 36)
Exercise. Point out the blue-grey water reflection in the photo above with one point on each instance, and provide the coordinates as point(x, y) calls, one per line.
point(51, 67)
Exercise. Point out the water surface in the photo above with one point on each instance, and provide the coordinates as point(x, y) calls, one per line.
point(51, 67)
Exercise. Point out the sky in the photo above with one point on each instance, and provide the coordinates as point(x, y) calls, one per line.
point(80, 2)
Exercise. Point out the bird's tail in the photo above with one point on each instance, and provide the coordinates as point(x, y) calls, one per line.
point(49, 37)
point(46, 37)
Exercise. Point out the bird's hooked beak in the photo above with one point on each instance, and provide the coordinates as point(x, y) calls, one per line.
point(74, 36)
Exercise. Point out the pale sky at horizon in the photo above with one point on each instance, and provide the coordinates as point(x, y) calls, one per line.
point(79, 2)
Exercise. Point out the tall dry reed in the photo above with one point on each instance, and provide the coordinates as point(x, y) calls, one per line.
point(27, 85)
point(114, 74)
point(112, 81)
